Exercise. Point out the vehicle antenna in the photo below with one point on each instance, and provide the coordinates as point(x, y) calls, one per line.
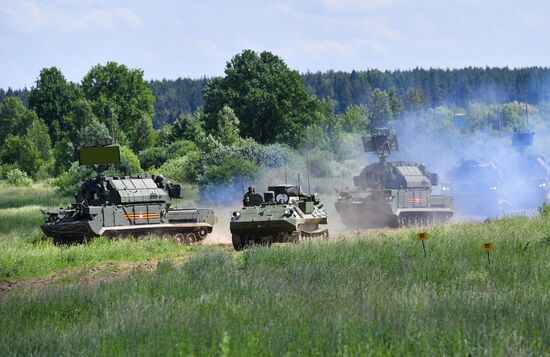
point(499, 119)
point(526, 116)
point(307, 168)
point(242, 186)
point(284, 164)
point(299, 184)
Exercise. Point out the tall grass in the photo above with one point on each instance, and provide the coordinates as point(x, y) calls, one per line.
point(40, 194)
point(26, 253)
point(376, 295)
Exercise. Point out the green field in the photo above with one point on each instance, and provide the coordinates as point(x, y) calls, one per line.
point(366, 294)
point(25, 252)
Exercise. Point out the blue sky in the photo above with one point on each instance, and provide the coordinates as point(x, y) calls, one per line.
point(170, 39)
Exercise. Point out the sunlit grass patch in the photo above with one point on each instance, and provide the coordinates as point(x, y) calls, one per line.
point(40, 194)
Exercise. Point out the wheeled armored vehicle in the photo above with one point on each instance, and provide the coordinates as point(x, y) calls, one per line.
point(282, 214)
point(391, 194)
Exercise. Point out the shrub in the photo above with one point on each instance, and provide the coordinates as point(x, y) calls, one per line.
point(180, 168)
point(319, 164)
point(180, 148)
point(18, 178)
point(129, 163)
point(223, 183)
point(544, 210)
point(22, 152)
point(69, 182)
point(153, 157)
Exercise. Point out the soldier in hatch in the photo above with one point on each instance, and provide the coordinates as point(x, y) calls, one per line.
point(246, 198)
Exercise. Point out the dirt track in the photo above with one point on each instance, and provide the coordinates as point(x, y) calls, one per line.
point(98, 274)
point(112, 271)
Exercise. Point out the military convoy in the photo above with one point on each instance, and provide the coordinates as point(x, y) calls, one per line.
point(282, 214)
point(385, 194)
point(520, 182)
point(392, 194)
point(135, 205)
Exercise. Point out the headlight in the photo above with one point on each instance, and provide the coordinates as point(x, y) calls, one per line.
point(493, 188)
point(286, 212)
point(446, 188)
point(236, 214)
point(542, 184)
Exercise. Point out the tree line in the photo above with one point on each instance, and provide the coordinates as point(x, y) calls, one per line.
point(449, 87)
point(258, 116)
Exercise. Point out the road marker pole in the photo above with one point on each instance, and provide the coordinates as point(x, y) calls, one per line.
point(422, 236)
point(488, 248)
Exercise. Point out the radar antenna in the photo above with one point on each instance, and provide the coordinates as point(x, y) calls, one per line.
point(382, 142)
point(99, 154)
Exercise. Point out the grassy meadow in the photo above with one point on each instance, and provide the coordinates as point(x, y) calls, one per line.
point(371, 293)
point(26, 253)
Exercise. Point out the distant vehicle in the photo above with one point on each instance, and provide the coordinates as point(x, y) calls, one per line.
point(527, 177)
point(134, 205)
point(477, 187)
point(282, 214)
point(391, 194)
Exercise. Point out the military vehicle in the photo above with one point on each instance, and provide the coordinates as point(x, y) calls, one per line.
point(282, 214)
point(527, 176)
point(135, 205)
point(477, 187)
point(391, 194)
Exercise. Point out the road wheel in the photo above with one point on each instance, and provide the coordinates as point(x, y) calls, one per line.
point(179, 238)
point(203, 232)
point(190, 238)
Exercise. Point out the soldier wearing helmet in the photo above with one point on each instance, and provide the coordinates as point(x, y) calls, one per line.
point(246, 198)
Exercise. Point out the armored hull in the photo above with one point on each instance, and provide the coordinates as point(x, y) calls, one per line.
point(477, 188)
point(391, 194)
point(136, 205)
point(283, 214)
point(527, 182)
point(369, 208)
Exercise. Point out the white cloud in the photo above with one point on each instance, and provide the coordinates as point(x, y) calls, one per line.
point(330, 48)
point(356, 5)
point(32, 16)
point(207, 48)
point(371, 44)
point(379, 28)
point(315, 47)
point(533, 20)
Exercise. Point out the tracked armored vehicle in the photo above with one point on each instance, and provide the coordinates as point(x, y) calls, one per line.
point(391, 194)
point(282, 214)
point(135, 205)
point(527, 176)
point(477, 187)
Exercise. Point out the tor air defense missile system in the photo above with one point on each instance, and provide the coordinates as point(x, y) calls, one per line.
point(134, 205)
point(282, 214)
point(391, 194)
point(477, 187)
point(527, 176)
